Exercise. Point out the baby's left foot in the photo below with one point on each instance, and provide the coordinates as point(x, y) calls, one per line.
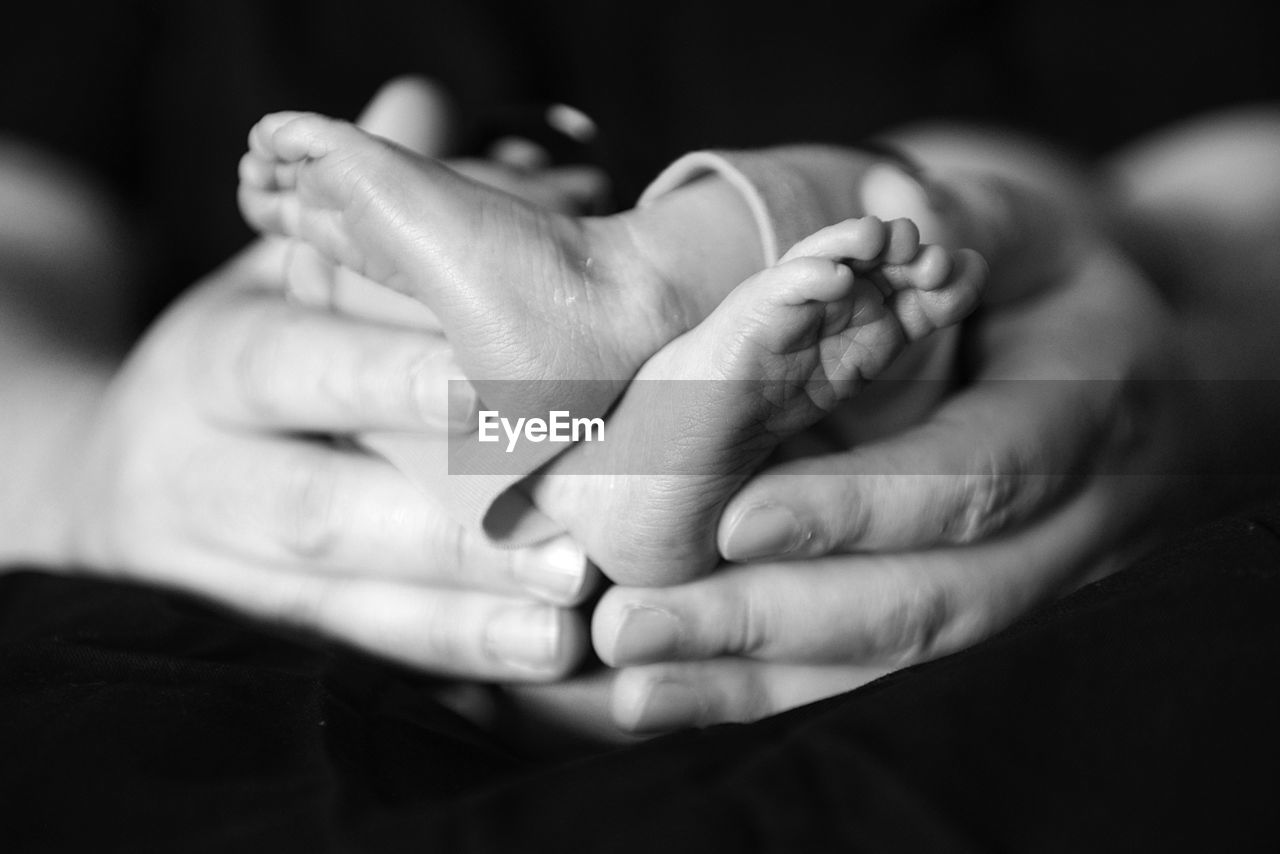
point(782, 350)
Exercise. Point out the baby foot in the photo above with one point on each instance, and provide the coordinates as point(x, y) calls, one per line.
point(534, 295)
point(782, 350)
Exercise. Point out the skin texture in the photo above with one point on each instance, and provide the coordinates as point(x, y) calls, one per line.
point(189, 466)
point(779, 352)
point(773, 359)
point(1155, 316)
point(761, 637)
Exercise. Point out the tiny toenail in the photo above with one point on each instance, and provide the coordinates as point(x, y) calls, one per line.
point(669, 705)
point(932, 267)
point(525, 638)
point(764, 531)
point(556, 569)
point(646, 634)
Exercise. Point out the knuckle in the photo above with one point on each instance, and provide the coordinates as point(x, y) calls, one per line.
point(255, 375)
point(983, 500)
point(307, 517)
point(452, 546)
point(756, 617)
point(857, 517)
point(908, 628)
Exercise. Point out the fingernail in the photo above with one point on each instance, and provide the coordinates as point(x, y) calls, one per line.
point(646, 634)
point(524, 638)
point(556, 569)
point(764, 531)
point(669, 705)
point(464, 407)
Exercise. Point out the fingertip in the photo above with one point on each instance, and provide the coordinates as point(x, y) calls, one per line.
point(414, 112)
point(519, 153)
point(763, 530)
point(628, 630)
point(573, 646)
point(557, 571)
point(536, 643)
point(646, 701)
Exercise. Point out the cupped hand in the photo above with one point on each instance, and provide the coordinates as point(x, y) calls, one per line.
point(1057, 463)
point(212, 469)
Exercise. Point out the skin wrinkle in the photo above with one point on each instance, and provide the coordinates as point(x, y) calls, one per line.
point(786, 310)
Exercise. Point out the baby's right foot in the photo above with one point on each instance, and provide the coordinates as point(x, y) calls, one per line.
point(782, 350)
point(524, 294)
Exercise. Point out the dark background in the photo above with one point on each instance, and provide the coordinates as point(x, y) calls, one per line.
point(159, 96)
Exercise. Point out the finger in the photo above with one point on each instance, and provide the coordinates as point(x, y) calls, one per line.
point(269, 364)
point(1047, 407)
point(301, 506)
point(412, 112)
point(992, 456)
point(563, 715)
point(864, 610)
point(469, 634)
point(664, 697)
point(314, 281)
point(520, 154)
point(890, 192)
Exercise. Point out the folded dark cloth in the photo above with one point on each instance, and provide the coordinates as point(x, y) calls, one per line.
point(1137, 714)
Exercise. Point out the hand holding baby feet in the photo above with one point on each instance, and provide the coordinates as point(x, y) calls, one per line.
point(782, 350)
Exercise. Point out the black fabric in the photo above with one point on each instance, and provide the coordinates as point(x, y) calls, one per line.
point(158, 95)
point(134, 719)
point(1138, 714)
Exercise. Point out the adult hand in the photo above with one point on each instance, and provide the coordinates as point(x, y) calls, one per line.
point(1044, 436)
point(1025, 483)
point(207, 471)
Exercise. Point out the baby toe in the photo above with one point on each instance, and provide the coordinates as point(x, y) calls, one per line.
point(903, 242)
point(860, 240)
point(256, 172)
point(923, 311)
point(930, 269)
